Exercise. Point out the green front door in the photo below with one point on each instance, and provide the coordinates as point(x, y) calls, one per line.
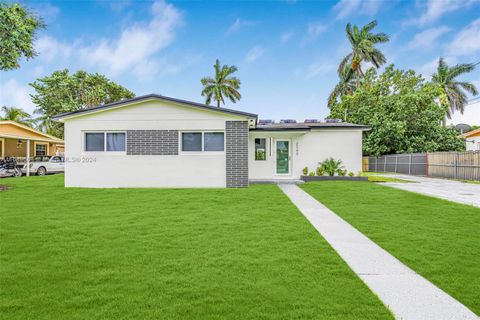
point(283, 156)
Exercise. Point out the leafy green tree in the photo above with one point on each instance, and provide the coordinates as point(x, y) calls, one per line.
point(16, 114)
point(222, 85)
point(18, 28)
point(451, 93)
point(63, 92)
point(401, 110)
point(363, 43)
point(345, 86)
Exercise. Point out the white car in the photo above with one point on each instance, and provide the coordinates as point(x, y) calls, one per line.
point(42, 165)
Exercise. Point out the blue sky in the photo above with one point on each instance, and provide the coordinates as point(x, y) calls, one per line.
point(287, 52)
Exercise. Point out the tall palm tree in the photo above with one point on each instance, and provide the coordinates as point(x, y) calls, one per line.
point(363, 43)
point(223, 85)
point(18, 115)
point(345, 86)
point(451, 91)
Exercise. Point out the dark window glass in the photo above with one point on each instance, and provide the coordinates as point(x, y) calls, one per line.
point(94, 141)
point(260, 149)
point(191, 141)
point(213, 141)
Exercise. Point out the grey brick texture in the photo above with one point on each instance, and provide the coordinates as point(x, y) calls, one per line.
point(236, 136)
point(152, 142)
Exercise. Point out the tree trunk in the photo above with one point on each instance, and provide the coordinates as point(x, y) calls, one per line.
point(218, 104)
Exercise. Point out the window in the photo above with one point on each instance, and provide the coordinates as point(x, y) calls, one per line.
point(203, 141)
point(115, 141)
point(213, 141)
point(94, 141)
point(105, 141)
point(260, 149)
point(191, 141)
point(41, 149)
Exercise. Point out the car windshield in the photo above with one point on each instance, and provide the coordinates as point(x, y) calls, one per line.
point(41, 158)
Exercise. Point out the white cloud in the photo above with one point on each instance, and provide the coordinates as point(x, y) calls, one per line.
point(471, 115)
point(49, 49)
point(46, 10)
point(238, 24)
point(318, 68)
point(316, 28)
point(427, 38)
point(286, 36)
point(467, 41)
point(346, 8)
point(435, 9)
point(14, 94)
point(254, 54)
point(134, 49)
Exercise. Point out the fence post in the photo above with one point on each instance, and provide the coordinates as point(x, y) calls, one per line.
point(455, 165)
point(376, 161)
point(396, 163)
point(409, 164)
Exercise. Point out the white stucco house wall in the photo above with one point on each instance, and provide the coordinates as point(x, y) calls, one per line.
point(158, 141)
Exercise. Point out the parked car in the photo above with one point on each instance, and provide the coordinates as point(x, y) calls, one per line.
point(42, 165)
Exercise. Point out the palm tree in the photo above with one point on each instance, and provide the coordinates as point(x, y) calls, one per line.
point(344, 87)
point(18, 115)
point(223, 85)
point(451, 92)
point(363, 49)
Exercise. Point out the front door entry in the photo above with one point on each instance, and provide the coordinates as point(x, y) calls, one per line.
point(283, 156)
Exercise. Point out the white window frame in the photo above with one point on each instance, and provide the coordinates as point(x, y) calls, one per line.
point(266, 148)
point(36, 143)
point(202, 152)
point(84, 142)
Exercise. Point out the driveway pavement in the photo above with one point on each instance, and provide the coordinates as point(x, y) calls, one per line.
point(407, 294)
point(466, 193)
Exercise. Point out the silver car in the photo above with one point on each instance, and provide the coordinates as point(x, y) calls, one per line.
point(42, 165)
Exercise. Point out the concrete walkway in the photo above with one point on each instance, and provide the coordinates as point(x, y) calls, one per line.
point(408, 295)
point(466, 193)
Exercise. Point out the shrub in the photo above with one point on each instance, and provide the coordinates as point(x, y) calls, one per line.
point(320, 171)
point(342, 173)
point(330, 166)
point(311, 174)
point(305, 171)
point(351, 174)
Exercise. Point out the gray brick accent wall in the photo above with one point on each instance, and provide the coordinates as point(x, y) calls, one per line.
point(152, 142)
point(236, 136)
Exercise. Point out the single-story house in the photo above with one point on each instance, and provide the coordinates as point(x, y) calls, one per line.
point(158, 141)
point(19, 141)
point(472, 140)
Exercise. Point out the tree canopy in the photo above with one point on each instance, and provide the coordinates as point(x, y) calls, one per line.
point(63, 92)
point(16, 114)
point(18, 28)
point(222, 85)
point(401, 110)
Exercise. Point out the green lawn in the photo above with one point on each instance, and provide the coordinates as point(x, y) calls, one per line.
point(436, 238)
point(377, 177)
point(168, 254)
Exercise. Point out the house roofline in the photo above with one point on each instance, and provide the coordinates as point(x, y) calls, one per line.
point(470, 133)
point(30, 129)
point(62, 116)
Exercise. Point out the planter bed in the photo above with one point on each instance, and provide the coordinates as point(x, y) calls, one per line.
point(325, 178)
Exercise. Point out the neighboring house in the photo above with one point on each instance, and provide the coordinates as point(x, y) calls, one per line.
point(472, 140)
point(157, 141)
point(16, 138)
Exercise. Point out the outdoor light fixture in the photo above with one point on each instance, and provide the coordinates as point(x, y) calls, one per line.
point(19, 144)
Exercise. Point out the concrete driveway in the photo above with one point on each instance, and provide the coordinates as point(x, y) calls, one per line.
point(467, 193)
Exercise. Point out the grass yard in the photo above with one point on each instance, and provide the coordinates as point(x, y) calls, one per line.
point(438, 239)
point(168, 254)
point(377, 177)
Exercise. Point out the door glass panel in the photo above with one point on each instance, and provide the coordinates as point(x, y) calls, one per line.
point(283, 157)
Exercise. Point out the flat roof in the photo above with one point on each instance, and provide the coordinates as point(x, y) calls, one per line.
point(309, 126)
point(149, 97)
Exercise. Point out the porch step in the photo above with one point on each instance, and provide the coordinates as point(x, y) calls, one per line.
point(276, 181)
